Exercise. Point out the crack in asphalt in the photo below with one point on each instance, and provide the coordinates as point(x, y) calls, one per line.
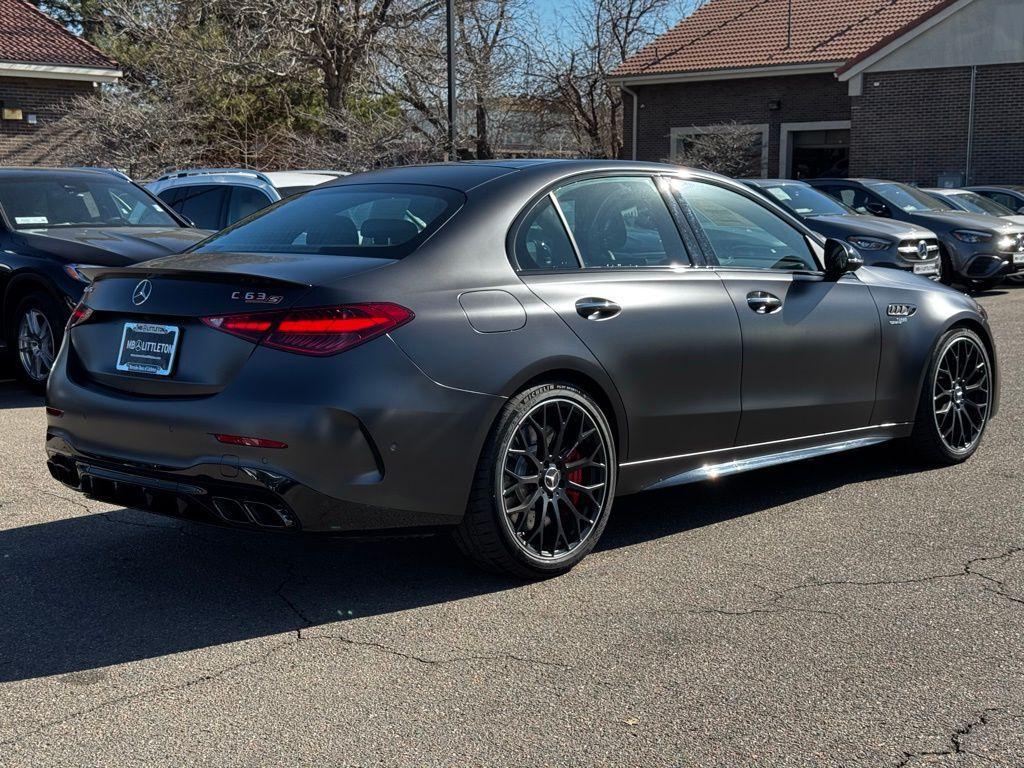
point(956, 746)
point(150, 692)
point(345, 639)
point(966, 572)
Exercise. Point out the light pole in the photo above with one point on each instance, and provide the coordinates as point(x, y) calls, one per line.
point(450, 9)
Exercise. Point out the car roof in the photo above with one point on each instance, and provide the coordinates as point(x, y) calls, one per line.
point(17, 172)
point(467, 175)
point(865, 182)
point(945, 191)
point(775, 182)
point(292, 178)
point(1011, 187)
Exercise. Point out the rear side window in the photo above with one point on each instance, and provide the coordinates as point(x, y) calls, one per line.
point(542, 242)
point(376, 220)
point(621, 222)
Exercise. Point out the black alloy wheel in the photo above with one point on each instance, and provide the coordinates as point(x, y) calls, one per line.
point(956, 401)
point(544, 486)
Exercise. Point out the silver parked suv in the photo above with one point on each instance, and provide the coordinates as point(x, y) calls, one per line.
point(214, 198)
point(977, 251)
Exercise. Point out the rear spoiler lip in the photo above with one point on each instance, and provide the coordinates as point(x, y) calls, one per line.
point(139, 271)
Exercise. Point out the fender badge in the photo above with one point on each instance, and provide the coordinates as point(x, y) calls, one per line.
point(900, 313)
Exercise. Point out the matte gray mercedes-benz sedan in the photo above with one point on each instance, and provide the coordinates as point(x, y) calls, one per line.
point(501, 349)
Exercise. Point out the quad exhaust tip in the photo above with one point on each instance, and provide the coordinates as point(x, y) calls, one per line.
point(249, 512)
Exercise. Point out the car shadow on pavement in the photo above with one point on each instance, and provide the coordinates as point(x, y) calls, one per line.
point(14, 395)
point(108, 588)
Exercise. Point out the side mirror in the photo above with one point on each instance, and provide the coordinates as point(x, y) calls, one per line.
point(878, 209)
point(841, 258)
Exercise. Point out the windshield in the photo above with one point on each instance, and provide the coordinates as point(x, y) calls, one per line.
point(387, 221)
point(53, 201)
point(907, 198)
point(975, 203)
point(806, 201)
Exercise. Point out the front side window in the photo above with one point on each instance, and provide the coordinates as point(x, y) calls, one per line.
point(621, 222)
point(202, 204)
point(245, 201)
point(742, 233)
point(1008, 201)
point(387, 221)
point(43, 203)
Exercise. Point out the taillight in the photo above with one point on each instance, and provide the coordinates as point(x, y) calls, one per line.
point(318, 331)
point(79, 315)
point(251, 327)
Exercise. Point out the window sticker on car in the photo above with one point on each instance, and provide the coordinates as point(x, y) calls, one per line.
point(31, 220)
point(779, 193)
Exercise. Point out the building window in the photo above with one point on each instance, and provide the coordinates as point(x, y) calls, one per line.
point(686, 144)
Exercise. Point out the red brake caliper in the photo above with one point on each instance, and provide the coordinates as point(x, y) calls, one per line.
point(576, 476)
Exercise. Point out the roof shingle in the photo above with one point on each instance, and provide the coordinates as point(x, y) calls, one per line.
point(29, 36)
point(732, 34)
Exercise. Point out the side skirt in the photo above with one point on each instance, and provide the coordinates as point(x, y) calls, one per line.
point(653, 474)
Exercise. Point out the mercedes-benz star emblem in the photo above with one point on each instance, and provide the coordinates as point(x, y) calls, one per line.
point(142, 292)
point(922, 249)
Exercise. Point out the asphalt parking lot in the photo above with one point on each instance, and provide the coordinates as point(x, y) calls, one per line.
point(849, 611)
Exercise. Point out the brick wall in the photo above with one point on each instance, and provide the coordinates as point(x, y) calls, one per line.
point(912, 126)
point(802, 98)
point(20, 142)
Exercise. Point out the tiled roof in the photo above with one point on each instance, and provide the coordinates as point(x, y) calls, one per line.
point(29, 36)
point(732, 34)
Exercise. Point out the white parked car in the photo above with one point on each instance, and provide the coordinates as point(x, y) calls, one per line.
point(214, 198)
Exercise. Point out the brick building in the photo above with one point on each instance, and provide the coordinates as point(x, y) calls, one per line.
point(914, 90)
point(42, 66)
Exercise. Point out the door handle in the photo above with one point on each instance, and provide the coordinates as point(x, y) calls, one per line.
point(764, 303)
point(597, 309)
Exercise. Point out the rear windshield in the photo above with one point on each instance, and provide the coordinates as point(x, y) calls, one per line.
point(43, 203)
point(387, 221)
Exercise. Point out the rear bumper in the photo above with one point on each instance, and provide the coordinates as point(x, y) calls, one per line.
point(372, 444)
point(256, 500)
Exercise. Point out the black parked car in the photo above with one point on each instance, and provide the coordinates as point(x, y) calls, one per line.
point(977, 251)
point(53, 223)
point(880, 242)
point(501, 349)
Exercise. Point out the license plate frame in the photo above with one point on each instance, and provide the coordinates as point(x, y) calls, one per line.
point(926, 269)
point(141, 357)
point(1018, 259)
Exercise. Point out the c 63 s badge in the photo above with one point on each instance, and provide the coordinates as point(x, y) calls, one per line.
point(900, 313)
point(256, 297)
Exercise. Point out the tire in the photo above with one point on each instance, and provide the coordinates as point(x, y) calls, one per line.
point(947, 276)
point(980, 286)
point(573, 513)
point(928, 442)
point(1017, 279)
point(41, 317)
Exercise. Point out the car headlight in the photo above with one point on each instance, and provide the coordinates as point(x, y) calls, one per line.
point(74, 271)
point(972, 236)
point(1007, 243)
point(868, 243)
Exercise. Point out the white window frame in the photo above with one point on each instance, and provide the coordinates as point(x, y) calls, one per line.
point(697, 130)
point(786, 144)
